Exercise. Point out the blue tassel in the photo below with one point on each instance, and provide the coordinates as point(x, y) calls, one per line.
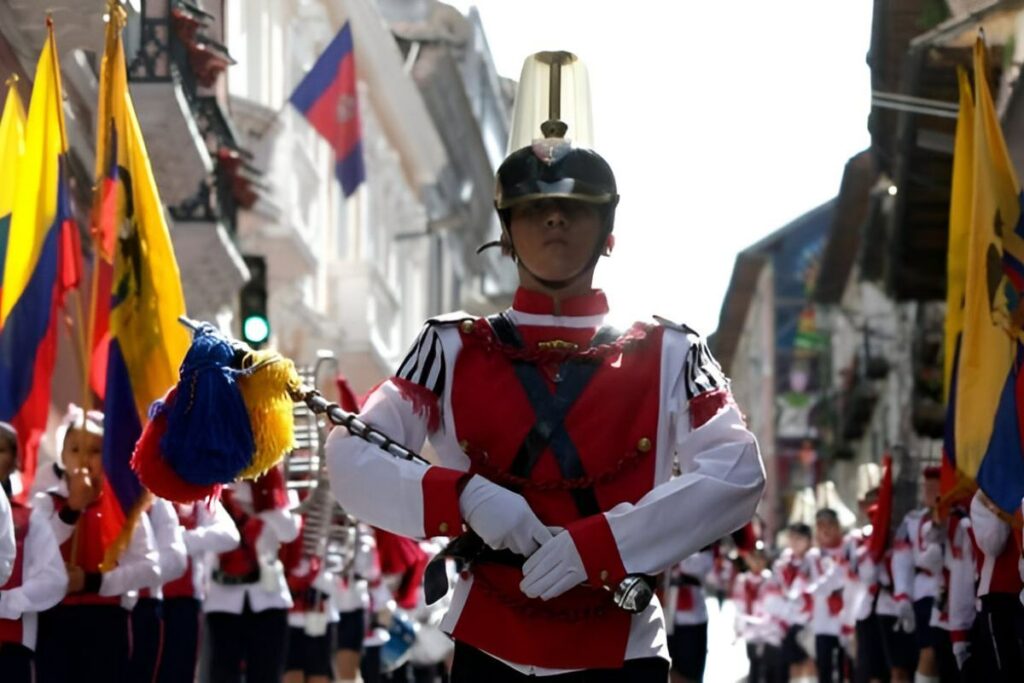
point(209, 439)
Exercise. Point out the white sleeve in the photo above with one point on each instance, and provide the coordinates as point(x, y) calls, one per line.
point(375, 487)
point(990, 532)
point(831, 579)
point(279, 526)
point(44, 581)
point(716, 493)
point(215, 532)
point(8, 546)
point(45, 512)
point(139, 565)
point(902, 564)
point(170, 540)
point(698, 565)
point(962, 590)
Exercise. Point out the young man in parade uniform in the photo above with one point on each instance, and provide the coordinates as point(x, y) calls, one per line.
point(248, 599)
point(32, 572)
point(87, 636)
point(556, 441)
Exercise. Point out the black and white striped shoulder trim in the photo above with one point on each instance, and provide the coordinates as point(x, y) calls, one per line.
point(425, 363)
point(703, 373)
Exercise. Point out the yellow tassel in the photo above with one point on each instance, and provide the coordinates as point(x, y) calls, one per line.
point(266, 396)
point(114, 551)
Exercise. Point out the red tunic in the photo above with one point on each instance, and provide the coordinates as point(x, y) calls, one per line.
point(613, 426)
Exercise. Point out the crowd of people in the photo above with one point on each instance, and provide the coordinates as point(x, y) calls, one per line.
point(221, 590)
point(938, 599)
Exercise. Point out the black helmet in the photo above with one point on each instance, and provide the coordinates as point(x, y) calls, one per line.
point(546, 170)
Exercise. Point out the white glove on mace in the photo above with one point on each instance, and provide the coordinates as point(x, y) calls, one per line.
point(502, 518)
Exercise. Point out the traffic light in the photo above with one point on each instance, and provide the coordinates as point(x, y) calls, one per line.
point(252, 306)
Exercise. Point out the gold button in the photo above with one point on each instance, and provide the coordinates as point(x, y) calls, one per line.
point(443, 527)
point(467, 326)
point(643, 445)
point(464, 445)
point(604, 575)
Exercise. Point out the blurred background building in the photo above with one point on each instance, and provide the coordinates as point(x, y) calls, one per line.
point(249, 186)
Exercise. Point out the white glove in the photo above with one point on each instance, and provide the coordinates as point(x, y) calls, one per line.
point(906, 620)
point(553, 569)
point(502, 518)
point(962, 652)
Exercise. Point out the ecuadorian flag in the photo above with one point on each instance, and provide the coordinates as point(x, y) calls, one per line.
point(146, 341)
point(987, 385)
point(41, 259)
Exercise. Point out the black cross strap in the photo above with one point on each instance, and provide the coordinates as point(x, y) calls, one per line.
point(551, 409)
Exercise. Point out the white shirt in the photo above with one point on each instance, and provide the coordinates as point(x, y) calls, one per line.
point(43, 582)
point(170, 544)
point(271, 591)
point(138, 566)
point(215, 533)
point(8, 546)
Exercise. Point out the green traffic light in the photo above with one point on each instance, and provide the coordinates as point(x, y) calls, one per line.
point(256, 329)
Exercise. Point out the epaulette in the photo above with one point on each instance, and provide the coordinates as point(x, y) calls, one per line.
point(678, 327)
point(453, 318)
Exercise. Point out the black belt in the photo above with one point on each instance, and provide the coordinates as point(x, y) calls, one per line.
point(226, 579)
point(686, 580)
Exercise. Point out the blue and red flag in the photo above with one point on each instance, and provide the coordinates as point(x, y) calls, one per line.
point(327, 98)
point(42, 262)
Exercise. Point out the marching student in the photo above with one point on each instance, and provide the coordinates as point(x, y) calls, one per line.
point(998, 649)
point(953, 614)
point(207, 530)
point(352, 600)
point(567, 475)
point(87, 636)
point(248, 599)
point(757, 595)
point(313, 615)
point(792, 570)
point(148, 631)
point(916, 567)
point(827, 577)
point(688, 627)
point(33, 574)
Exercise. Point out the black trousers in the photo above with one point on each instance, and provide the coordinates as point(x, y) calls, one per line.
point(871, 662)
point(688, 647)
point(997, 649)
point(15, 663)
point(182, 620)
point(147, 640)
point(253, 642)
point(766, 664)
point(473, 666)
point(82, 643)
point(830, 658)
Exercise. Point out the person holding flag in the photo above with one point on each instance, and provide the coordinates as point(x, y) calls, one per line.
point(86, 636)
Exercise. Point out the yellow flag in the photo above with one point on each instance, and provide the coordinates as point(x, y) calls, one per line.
point(35, 206)
point(959, 223)
point(992, 313)
point(147, 296)
point(12, 147)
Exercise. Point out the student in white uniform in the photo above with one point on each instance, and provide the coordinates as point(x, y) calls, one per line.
point(33, 576)
point(86, 637)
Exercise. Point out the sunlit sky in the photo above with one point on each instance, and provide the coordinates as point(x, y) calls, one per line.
point(722, 121)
